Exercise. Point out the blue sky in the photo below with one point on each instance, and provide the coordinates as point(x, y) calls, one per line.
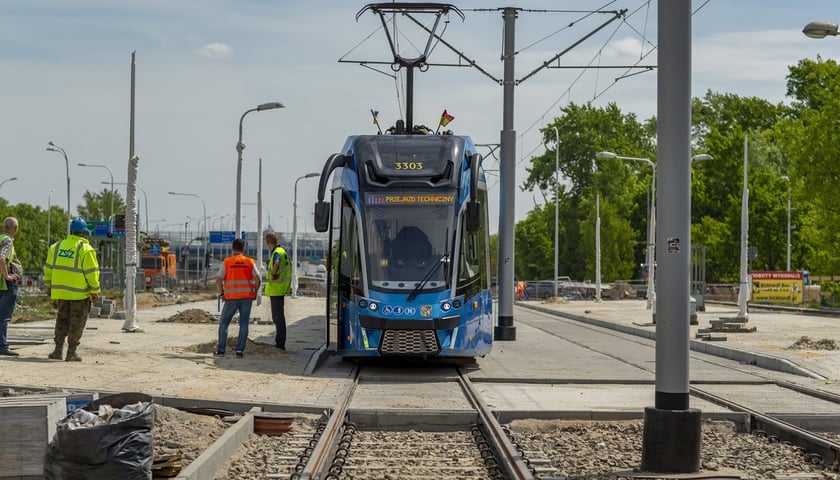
point(65, 73)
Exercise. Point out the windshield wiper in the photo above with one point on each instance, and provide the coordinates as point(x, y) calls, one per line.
point(443, 259)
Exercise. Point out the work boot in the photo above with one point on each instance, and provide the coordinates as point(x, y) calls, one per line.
point(56, 354)
point(71, 355)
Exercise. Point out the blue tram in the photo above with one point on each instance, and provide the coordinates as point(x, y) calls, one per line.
point(408, 270)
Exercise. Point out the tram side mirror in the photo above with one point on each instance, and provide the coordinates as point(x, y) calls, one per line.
point(322, 216)
point(473, 216)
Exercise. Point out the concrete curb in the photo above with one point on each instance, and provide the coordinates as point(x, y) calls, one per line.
point(316, 360)
point(214, 458)
point(762, 360)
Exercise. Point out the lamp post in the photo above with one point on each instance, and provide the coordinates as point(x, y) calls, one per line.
point(820, 29)
point(204, 236)
point(55, 148)
point(787, 245)
point(49, 217)
point(145, 203)
point(7, 180)
point(294, 235)
point(556, 214)
point(239, 147)
point(651, 247)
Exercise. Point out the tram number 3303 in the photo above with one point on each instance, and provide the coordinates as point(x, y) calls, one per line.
point(408, 166)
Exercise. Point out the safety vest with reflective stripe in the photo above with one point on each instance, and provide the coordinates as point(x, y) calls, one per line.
point(281, 284)
point(71, 271)
point(239, 281)
point(9, 260)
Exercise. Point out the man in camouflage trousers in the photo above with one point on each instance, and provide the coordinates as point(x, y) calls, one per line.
point(71, 275)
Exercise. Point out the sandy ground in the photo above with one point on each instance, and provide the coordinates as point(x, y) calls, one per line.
point(173, 356)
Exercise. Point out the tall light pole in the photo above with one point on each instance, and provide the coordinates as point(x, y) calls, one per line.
point(55, 148)
point(294, 235)
point(787, 264)
point(556, 206)
point(651, 247)
point(204, 236)
point(7, 180)
point(111, 213)
point(239, 148)
point(49, 217)
point(145, 203)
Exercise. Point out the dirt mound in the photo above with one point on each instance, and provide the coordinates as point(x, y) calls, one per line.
point(192, 315)
point(251, 348)
point(806, 343)
point(557, 300)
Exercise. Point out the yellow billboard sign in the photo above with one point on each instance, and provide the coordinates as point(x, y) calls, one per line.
point(776, 287)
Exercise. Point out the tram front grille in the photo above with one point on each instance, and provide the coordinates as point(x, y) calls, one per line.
point(409, 342)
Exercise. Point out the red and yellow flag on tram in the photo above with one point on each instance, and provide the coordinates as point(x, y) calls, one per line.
point(445, 118)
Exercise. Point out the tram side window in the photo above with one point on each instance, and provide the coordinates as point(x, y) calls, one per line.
point(471, 254)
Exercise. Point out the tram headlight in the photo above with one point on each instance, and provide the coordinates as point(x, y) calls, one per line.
point(363, 303)
point(373, 306)
point(456, 303)
point(445, 306)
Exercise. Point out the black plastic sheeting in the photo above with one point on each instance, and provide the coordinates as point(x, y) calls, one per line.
point(121, 449)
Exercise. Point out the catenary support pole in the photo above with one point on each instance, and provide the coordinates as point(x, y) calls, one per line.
point(505, 330)
point(671, 436)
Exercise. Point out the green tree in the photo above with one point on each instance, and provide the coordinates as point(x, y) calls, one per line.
point(32, 239)
point(97, 206)
point(719, 124)
point(810, 137)
point(583, 131)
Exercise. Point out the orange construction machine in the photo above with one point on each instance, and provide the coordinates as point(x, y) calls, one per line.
point(160, 266)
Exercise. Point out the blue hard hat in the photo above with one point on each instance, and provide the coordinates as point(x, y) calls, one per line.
point(78, 225)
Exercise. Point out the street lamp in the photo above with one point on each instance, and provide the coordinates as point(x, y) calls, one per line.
point(7, 180)
point(145, 202)
point(239, 147)
point(556, 207)
point(820, 29)
point(55, 148)
point(204, 237)
point(294, 235)
point(49, 217)
point(111, 213)
point(651, 250)
point(787, 264)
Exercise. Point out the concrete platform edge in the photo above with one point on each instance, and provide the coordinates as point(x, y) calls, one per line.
point(764, 361)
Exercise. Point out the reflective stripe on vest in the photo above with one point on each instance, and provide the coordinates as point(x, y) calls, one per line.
point(282, 285)
point(239, 282)
point(66, 272)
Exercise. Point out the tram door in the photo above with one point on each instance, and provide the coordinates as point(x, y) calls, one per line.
point(345, 270)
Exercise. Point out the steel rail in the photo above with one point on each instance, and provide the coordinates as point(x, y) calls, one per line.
point(828, 451)
point(510, 460)
point(319, 460)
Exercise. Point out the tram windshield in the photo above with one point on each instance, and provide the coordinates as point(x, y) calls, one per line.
point(407, 235)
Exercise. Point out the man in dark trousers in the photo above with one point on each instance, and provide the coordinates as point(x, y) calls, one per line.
point(238, 282)
point(10, 272)
point(278, 284)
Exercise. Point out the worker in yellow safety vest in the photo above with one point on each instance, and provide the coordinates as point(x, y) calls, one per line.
point(71, 275)
point(278, 284)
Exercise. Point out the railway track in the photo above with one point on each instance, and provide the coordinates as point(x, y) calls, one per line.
point(451, 448)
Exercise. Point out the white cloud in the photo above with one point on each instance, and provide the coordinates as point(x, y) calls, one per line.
point(216, 51)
